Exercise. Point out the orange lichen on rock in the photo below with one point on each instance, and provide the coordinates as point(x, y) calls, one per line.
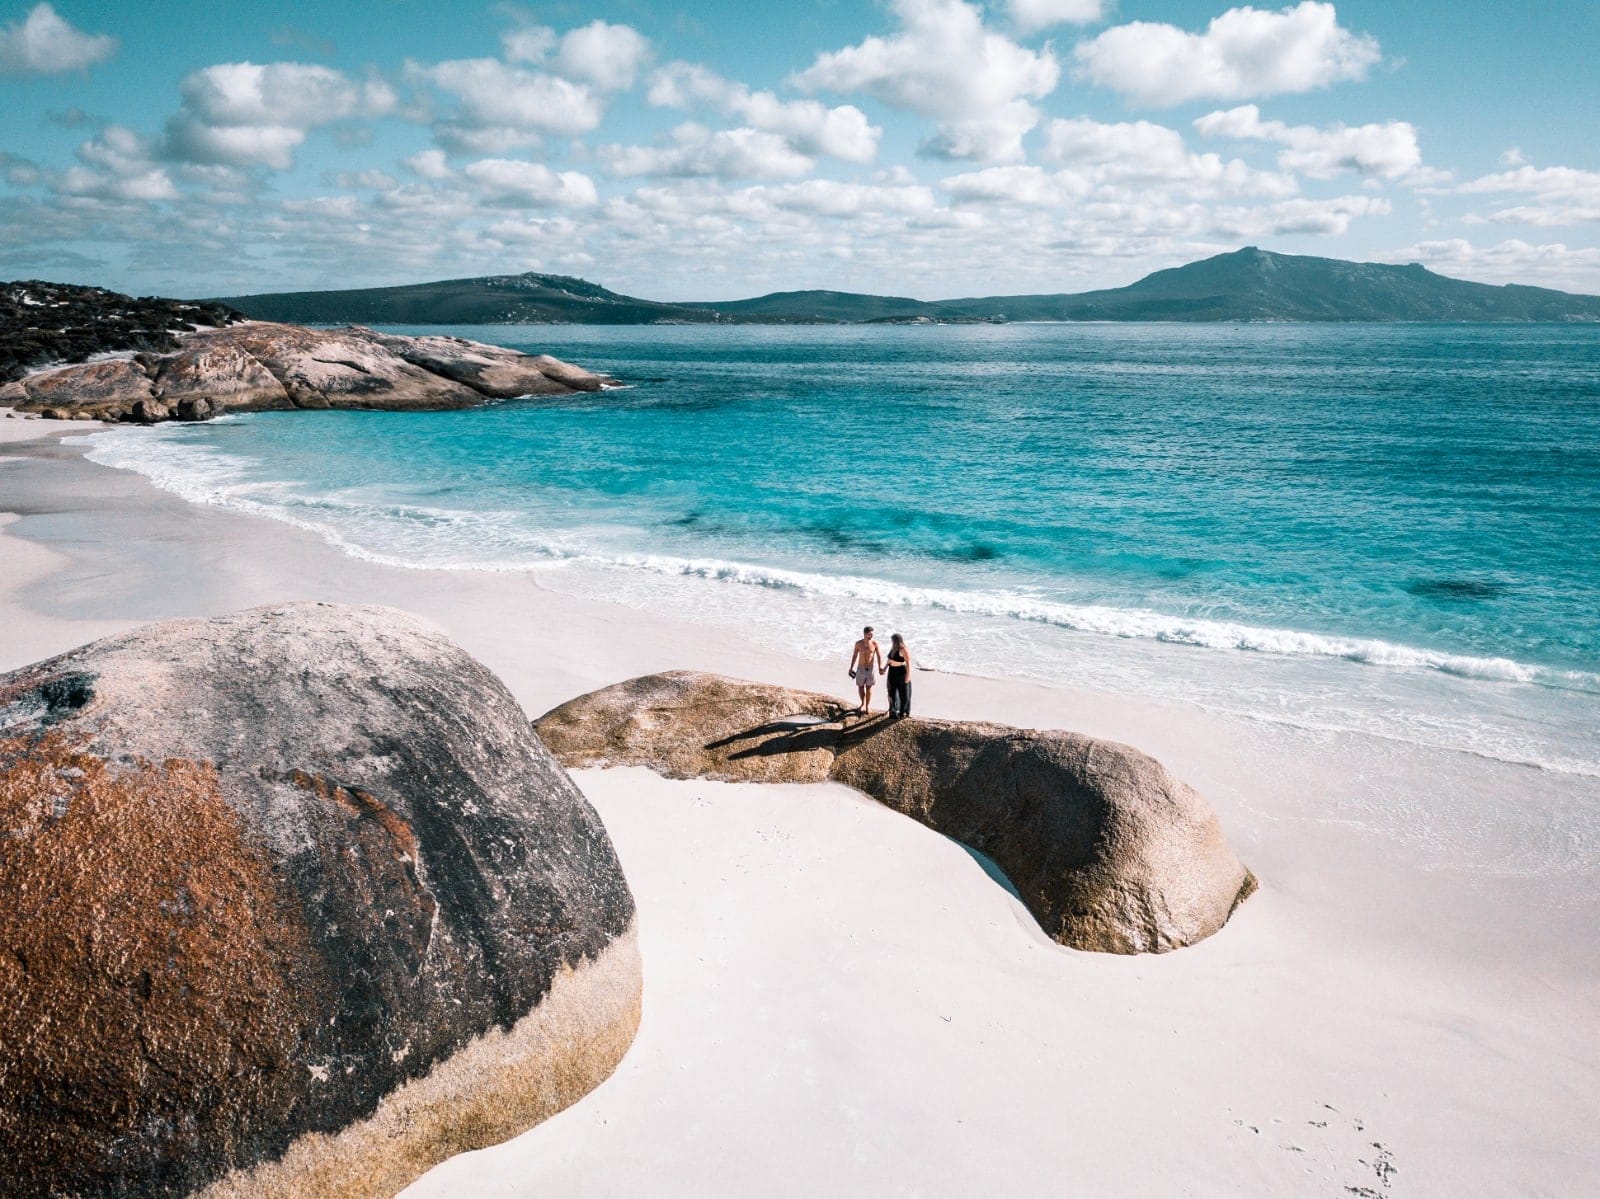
point(146, 951)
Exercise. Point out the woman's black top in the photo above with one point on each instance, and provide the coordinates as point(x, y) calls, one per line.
point(897, 668)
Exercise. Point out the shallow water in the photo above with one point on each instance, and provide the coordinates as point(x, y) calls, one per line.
point(1386, 529)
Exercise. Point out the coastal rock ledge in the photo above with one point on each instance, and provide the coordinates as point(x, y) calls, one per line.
point(292, 903)
point(1107, 850)
point(258, 366)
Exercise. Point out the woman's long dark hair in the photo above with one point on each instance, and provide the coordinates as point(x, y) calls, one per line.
point(896, 642)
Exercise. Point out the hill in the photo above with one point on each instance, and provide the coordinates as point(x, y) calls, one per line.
point(1246, 285)
point(43, 323)
point(1256, 285)
point(530, 299)
point(822, 307)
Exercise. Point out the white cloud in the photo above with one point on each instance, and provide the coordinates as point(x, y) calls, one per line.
point(530, 43)
point(429, 164)
point(1384, 151)
point(604, 56)
point(1549, 182)
point(608, 56)
point(1512, 261)
point(531, 183)
point(811, 128)
point(44, 44)
point(1544, 215)
point(118, 165)
point(831, 198)
point(500, 105)
point(1032, 15)
point(696, 151)
point(251, 114)
point(945, 65)
point(1141, 152)
point(1561, 195)
point(1245, 52)
point(1025, 185)
point(1323, 218)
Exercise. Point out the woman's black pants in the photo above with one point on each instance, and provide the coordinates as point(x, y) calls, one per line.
point(899, 695)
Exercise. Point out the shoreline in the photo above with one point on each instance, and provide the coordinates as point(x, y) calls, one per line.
point(1422, 976)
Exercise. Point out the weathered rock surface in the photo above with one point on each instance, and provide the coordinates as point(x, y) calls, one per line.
point(1108, 850)
point(254, 366)
point(222, 371)
point(109, 387)
point(292, 903)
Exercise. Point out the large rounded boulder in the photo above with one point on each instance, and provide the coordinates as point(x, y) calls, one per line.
point(292, 902)
point(1108, 850)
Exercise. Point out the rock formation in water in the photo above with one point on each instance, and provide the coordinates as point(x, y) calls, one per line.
point(1107, 850)
point(292, 903)
point(251, 367)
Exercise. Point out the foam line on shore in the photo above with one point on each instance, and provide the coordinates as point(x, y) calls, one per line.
point(209, 476)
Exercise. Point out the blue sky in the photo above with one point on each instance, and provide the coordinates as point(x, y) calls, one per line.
point(714, 150)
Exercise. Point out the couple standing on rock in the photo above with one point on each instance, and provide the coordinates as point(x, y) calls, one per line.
point(866, 663)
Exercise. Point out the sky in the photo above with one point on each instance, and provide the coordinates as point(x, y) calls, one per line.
point(716, 149)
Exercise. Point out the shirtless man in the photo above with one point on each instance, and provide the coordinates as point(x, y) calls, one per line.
point(866, 663)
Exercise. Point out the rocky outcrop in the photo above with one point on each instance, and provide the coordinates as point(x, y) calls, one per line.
point(43, 323)
point(90, 387)
point(292, 902)
point(1107, 850)
point(255, 366)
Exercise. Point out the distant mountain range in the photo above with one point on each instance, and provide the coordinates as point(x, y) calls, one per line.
point(1247, 285)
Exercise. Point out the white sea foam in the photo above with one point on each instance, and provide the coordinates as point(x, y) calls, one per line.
point(490, 540)
point(1316, 695)
point(1117, 622)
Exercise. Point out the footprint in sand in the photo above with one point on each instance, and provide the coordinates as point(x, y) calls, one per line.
point(1333, 1145)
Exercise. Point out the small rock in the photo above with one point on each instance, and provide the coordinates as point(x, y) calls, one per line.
point(149, 412)
point(196, 408)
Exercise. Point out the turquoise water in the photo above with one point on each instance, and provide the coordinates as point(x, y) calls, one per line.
point(1394, 529)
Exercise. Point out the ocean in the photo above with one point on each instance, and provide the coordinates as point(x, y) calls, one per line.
point(1388, 530)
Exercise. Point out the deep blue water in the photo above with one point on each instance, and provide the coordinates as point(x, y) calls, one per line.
point(1406, 501)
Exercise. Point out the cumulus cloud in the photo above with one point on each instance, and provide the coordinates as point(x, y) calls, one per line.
point(429, 164)
point(1032, 15)
point(944, 64)
point(249, 114)
point(1551, 182)
point(1322, 218)
point(44, 44)
point(531, 184)
point(117, 165)
point(500, 105)
point(1144, 152)
point(529, 43)
point(608, 56)
point(1243, 53)
point(810, 127)
point(1114, 163)
point(696, 151)
point(605, 56)
point(1559, 195)
point(1513, 260)
point(1384, 151)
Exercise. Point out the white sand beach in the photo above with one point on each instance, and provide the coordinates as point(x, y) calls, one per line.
point(839, 1001)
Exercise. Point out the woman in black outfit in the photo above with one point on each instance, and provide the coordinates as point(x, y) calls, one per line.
point(899, 677)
